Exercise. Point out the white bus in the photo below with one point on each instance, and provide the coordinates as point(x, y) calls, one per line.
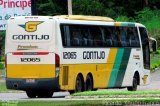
point(75, 53)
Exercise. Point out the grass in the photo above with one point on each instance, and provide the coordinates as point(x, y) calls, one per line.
point(104, 102)
point(155, 59)
point(2, 72)
point(3, 87)
point(2, 83)
point(1, 65)
point(115, 92)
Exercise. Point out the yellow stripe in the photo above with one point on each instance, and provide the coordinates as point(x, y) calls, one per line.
point(117, 24)
point(30, 71)
point(110, 62)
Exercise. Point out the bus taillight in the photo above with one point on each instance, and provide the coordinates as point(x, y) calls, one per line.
point(57, 60)
point(57, 64)
point(42, 53)
point(17, 53)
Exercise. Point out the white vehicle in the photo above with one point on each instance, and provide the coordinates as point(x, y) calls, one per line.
point(75, 53)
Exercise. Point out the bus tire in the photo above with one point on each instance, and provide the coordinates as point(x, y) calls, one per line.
point(45, 94)
point(71, 92)
point(134, 84)
point(89, 83)
point(79, 84)
point(94, 89)
point(31, 94)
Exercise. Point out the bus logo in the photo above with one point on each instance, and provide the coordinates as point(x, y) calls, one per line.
point(31, 26)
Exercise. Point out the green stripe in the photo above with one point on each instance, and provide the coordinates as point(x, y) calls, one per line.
point(116, 67)
point(123, 67)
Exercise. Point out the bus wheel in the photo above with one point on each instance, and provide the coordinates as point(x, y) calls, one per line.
point(31, 94)
point(45, 94)
point(89, 83)
point(71, 92)
point(79, 84)
point(134, 84)
point(95, 89)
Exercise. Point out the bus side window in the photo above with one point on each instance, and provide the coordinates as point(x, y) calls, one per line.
point(118, 36)
point(123, 36)
point(64, 35)
point(135, 31)
point(133, 37)
point(85, 36)
point(90, 37)
point(108, 36)
point(97, 36)
point(75, 36)
point(114, 37)
point(85, 39)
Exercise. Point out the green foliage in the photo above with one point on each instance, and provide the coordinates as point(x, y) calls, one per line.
point(3, 87)
point(155, 59)
point(124, 18)
point(88, 7)
point(157, 52)
point(98, 8)
point(100, 102)
point(110, 8)
point(154, 66)
point(151, 19)
point(2, 45)
point(1, 65)
point(49, 7)
point(2, 38)
point(144, 15)
point(115, 92)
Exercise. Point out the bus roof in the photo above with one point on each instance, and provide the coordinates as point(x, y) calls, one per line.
point(82, 17)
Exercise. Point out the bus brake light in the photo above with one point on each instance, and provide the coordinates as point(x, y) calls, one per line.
point(57, 60)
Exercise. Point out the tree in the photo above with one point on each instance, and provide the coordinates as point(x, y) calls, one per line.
point(49, 7)
point(88, 7)
point(111, 8)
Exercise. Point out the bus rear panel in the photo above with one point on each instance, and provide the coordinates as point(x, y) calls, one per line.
point(30, 54)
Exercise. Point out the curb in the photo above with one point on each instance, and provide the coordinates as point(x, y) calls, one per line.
point(12, 92)
point(114, 96)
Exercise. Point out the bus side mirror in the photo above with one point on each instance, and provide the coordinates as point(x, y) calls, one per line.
point(154, 45)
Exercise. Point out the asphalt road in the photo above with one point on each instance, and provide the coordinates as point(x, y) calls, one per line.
point(155, 82)
point(21, 96)
point(61, 96)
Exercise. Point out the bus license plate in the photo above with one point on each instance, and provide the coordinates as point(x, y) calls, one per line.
point(30, 80)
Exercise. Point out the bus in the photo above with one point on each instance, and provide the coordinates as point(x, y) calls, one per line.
point(46, 54)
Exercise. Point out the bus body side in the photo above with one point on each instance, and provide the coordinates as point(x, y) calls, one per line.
point(108, 67)
point(31, 54)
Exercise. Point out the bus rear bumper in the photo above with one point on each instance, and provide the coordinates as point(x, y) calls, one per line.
point(33, 84)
